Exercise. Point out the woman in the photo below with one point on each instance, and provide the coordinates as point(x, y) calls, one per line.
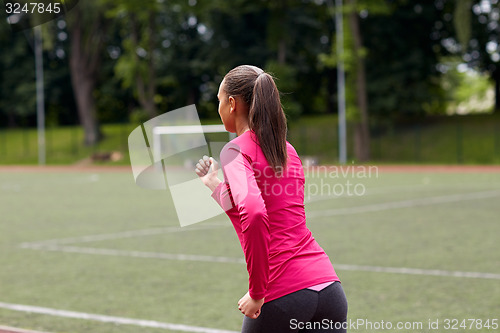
point(292, 284)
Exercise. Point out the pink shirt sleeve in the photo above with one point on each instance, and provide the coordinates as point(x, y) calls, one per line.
point(243, 197)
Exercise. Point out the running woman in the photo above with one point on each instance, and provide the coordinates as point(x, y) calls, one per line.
point(292, 284)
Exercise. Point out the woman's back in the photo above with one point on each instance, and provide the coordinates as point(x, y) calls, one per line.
point(295, 260)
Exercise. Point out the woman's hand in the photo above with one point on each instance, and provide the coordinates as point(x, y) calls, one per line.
point(250, 307)
point(207, 169)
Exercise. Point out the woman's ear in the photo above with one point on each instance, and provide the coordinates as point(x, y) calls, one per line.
point(232, 104)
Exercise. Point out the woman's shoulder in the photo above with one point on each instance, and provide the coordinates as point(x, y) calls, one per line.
point(244, 142)
point(241, 144)
point(291, 150)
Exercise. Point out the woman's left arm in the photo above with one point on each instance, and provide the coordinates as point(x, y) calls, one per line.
point(207, 169)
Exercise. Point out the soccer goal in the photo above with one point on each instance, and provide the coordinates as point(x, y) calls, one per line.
point(159, 131)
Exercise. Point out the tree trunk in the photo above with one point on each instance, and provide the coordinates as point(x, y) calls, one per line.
point(361, 127)
point(331, 90)
point(84, 63)
point(279, 13)
point(496, 77)
point(151, 64)
point(281, 52)
point(11, 120)
point(145, 82)
point(84, 88)
point(191, 97)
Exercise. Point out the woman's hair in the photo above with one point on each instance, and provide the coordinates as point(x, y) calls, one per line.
point(266, 116)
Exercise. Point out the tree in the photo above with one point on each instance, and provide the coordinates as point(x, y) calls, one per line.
point(356, 83)
point(401, 61)
point(283, 37)
point(87, 30)
point(137, 65)
point(361, 124)
point(17, 76)
point(477, 28)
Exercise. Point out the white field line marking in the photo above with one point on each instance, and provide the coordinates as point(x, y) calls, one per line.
point(118, 235)
point(369, 191)
point(109, 319)
point(134, 254)
point(412, 188)
point(17, 330)
point(404, 204)
point(418, 271)
point(232, 260)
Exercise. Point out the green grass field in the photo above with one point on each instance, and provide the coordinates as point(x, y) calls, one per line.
point(94, 243)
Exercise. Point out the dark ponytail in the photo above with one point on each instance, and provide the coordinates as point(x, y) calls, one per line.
point(266, 116)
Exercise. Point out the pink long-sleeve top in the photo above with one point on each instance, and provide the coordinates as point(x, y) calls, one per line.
point(267, 212)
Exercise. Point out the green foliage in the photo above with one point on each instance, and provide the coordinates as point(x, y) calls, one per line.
point(380, 11)
point(126, 67)
point(138, 116)
point(114, 103)
point(17, 74)
point(179, 50)
point(472, 84)
point(286, 81)
point(475, 27)
point(466, 91)
point(330, 60)
point(402, 78)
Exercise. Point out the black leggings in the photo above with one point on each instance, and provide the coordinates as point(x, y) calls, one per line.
point(302, 311)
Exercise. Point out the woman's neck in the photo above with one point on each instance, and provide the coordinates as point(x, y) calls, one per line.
point(242, 127)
